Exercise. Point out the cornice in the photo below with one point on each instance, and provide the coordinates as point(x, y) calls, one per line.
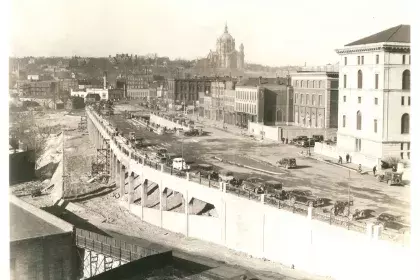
point(370, 48)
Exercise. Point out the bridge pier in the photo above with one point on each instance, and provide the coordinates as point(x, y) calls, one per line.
point(122, 181)
point(117, 172)
point(130, 187)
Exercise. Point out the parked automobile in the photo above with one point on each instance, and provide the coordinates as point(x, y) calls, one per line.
point(309, 143)
point(226, 176)
point(392, 178)
point(341, 207)
point(253, 187)
point(287, 163)
point(206, 170)
point(162, 152)
point(180, 164)
point(318, 138)
point(305, 197)
point(192, 132)
point(298, 140)
point(272, 186)
point(390, 221)
point(170, 157)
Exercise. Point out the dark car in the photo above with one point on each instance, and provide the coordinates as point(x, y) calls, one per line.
point(390, 221)
point(318, 138)
point(304, 197)
point(253, 184)
point(300, 140)
point(272, 186)
point(206, 170)
point(287, 163)
point(392, 178)
point(192, 132)
point(309, 143)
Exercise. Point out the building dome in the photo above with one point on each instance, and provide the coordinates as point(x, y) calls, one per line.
point(226, 36)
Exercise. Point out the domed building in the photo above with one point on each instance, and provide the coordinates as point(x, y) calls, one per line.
point(226, 56)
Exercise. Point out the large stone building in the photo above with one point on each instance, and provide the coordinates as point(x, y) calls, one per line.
point(374, 102)
point(185, 91)
point(37, 89)
point(315, 99)
point(226, 56)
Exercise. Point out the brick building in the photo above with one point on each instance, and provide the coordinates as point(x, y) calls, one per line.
point(278, 102)
point(140, 81)
point(37, 88)
point(186, 90)
point(229, 102)
point(41, 245)
point(315, 99)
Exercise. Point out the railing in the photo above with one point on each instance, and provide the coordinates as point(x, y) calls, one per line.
point(268, 200)
point(111, 247)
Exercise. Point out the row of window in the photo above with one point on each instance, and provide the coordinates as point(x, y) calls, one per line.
point(375, 100)
point(309, 100)
point(309, 84)
point(405, 80)
point(361, 59)
point(246, 95)
point(405, 123)
point(247, 108)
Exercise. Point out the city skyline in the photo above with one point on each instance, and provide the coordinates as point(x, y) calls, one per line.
point(187, 29)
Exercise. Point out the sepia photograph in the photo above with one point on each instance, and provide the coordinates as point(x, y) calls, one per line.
point(209, 140)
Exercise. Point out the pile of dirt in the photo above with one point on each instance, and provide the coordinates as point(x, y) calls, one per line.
point(53, 151)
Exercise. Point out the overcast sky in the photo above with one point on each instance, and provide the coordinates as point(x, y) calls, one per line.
point(273, 32)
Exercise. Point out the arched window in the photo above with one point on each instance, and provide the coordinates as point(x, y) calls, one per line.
point(319, 84)
point(406, 79)
point(344, 120)
point(359, 79)
point(359, 120)
point(301, 84)
point(307, 84)
point(314, 84)
point(405, 124)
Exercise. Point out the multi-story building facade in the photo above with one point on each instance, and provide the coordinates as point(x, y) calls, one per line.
point(217, 90)
point(374, 101)
point(140, 81)
point(66, 85)
point(37, 89)
point(186, 90)
point(278, 102)
point(229, 102)
point(315, 99)
point(138, 93)
point(249, 104)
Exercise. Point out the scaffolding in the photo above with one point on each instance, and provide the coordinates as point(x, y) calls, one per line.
point(102, 164)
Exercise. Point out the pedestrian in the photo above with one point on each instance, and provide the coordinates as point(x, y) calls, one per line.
point(374, 170)
point(347, 158)
point(360, 168)
point(340, 160)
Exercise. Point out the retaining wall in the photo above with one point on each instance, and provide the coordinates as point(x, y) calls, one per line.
point(169, 123)
point(263, 231)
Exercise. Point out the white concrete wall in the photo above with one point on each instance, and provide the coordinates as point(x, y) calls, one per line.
point(270, 132)
point(266, 232)
point(168, 123)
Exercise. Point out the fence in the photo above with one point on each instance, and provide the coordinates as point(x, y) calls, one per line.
point(274, 202)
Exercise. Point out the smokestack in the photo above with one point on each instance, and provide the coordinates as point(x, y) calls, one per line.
point(259, 80)
point(104, 80)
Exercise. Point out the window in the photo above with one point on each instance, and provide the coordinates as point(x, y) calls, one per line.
point(359, 120)
point(320, 84)
point(408, 155)
point(376, 101)
point(307, 84)
point(403, 59)
point(307, 98)
point(409, 101)
point(376, 81)
point(408, 146)
point(344, 120)
point(402, 155)
point(359, 100)
point(358, 145)
point(377, 59)
point(402, 146)
point(301, 98)
point(406, 79)
point(344, 98)
point(313, 99)
point(402, 100)
point(301, 84)
point(409, 62)
point(345, 60)
point(363, 59)
point(375, 126)
point(405, 124)
point(345, 81)
point(320, 100)
point(359, 79)
point(358, 60)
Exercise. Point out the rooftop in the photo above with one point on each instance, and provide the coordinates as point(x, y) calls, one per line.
point(397, 34)
point(25, 225)
point(264, 81)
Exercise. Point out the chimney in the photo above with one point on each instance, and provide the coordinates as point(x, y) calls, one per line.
point(288, 80)
point(259, 80)
point(278, 80)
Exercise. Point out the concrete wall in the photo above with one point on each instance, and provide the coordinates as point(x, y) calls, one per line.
point(266, 232)
point(270, 132)
point(168, 123)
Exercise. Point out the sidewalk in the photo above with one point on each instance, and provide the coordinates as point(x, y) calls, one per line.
point(334, 161)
